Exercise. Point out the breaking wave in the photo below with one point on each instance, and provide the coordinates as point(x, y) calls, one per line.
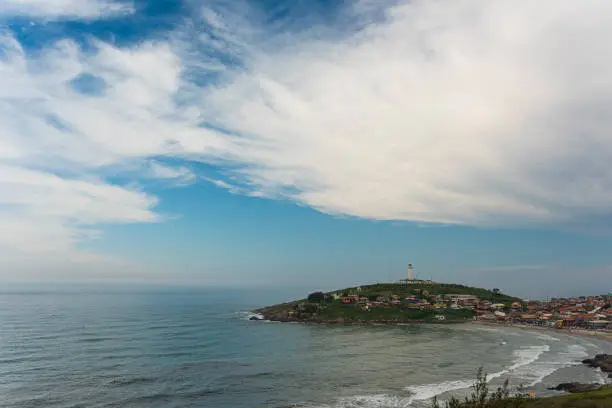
point(370, 401)
point(534, 374)
point(523, 358)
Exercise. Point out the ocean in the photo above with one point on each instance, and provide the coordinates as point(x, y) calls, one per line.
point(197, 348)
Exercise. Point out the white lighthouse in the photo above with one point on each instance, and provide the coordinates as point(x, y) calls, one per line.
point(412, 280)
point(410, 273)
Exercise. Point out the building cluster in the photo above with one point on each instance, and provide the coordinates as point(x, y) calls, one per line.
point(422, 299)
point(587, 312)
point(592, 312)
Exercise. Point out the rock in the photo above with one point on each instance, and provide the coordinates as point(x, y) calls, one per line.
point(602, 361)
point(575, 387)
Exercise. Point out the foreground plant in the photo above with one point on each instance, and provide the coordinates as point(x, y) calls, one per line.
point(481, 397)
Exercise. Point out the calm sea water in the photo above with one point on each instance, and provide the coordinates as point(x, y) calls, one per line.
point(198, 349)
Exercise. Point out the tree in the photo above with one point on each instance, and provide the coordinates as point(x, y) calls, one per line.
point(316, 297)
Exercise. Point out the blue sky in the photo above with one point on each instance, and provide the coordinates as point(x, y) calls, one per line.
point(312, 144)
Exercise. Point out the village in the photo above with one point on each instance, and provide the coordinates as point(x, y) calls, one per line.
point(586, 312)
point(417, 300)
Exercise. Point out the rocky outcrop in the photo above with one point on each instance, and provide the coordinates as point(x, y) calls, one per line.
point(601, 361)
point(575, 387)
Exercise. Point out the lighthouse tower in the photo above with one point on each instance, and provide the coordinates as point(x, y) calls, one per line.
point(410, 273)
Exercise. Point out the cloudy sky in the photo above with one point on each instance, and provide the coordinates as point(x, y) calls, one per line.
point(307, 142)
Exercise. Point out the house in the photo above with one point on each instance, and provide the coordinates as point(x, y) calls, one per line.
point(463, 300)
point(439, 306)
point(350, 299)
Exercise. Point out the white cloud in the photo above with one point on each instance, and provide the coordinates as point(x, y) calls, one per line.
point(456, 112)
point(451, 111)
point(180, 174)
point(60, 9)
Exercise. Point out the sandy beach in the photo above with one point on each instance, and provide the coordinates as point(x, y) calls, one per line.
point(607, 336)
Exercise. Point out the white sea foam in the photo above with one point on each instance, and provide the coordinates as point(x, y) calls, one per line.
point(373, 401)
point(601, 377)
point(533, 374)
point(370, 401)
point(524, 357)
point(543, 336)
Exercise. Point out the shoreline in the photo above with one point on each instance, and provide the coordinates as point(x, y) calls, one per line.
point(605, 336)
point(335, 322)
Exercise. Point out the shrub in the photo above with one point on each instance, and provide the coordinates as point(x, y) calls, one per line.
point(481, 397)
point(316, 297)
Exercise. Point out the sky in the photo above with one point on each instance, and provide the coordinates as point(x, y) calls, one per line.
point(307, 143)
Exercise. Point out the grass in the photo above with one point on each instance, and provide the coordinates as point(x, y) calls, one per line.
point(386, 289)
point(593, 399)
point(352, 312)
point(482, 397)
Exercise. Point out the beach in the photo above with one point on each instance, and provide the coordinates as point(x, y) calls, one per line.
point(598, 334)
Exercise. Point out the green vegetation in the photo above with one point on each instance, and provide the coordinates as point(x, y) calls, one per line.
point(481, 397)
point(593, 399)
point(387, 289)
point(337, 310)
point(316, 297)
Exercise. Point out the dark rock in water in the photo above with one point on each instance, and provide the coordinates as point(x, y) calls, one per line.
point(575, 387)
point(253, 318)
point(602, 361)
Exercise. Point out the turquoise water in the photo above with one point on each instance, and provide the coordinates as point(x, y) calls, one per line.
point(193, 348)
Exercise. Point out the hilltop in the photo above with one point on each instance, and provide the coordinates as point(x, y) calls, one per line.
point(417, 301)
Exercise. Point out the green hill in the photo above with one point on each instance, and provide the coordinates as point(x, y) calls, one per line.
point(403, 290)
point(384, 303)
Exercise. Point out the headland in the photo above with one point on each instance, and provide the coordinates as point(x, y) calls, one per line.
point(388, 303)
point(420, 301)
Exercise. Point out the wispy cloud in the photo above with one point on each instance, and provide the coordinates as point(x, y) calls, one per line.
point(65, 9)
point(452, 112)
point(181, 175)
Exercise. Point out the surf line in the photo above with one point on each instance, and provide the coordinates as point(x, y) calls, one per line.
point(524, 357)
